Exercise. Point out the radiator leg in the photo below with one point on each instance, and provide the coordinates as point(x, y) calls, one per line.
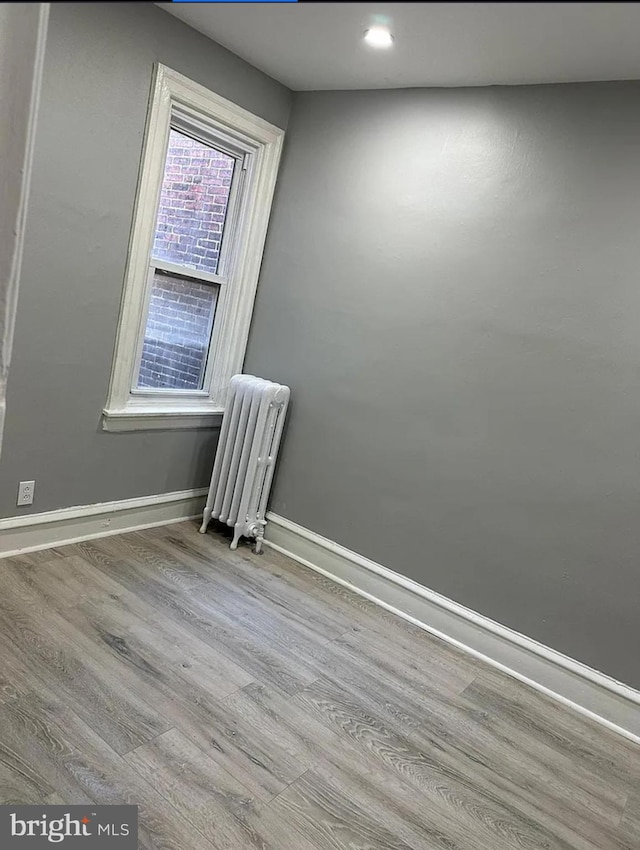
point(237, 534)
point(259, 533)
point(205, 520)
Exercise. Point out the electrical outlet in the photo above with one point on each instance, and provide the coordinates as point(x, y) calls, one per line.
point(25, 492)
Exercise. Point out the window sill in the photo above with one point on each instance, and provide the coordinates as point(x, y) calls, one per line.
point(157, 420)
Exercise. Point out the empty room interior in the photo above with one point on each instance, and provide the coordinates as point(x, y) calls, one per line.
point(320, 426)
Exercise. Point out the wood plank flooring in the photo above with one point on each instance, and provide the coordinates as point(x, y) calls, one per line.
point(245, 702)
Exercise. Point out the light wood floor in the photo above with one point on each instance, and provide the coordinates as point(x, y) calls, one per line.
point(245, 702)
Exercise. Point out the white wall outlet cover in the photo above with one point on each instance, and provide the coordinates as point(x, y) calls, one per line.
point(25, 492)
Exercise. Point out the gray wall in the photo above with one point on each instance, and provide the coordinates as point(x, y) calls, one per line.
point(22, 29)
point(96, 86)
point(451, 288)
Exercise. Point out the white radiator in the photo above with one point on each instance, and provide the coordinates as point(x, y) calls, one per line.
point(247, 449)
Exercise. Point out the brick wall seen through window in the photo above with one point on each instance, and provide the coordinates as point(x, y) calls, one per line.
point(176, 341)
point(189, 230)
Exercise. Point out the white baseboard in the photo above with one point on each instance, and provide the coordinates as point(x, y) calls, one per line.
point(593, 694)
point(69, 525)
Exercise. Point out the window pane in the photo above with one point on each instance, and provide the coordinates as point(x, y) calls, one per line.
point(193, 203)
point(178, 333)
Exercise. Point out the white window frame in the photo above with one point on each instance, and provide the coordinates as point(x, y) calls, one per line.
point(177, 101)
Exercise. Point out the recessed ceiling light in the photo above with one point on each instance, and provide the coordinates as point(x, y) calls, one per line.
point(378, 37)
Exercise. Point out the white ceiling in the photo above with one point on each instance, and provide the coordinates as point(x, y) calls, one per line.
point(319, 45)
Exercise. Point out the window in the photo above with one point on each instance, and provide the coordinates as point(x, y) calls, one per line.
point(206, 184)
